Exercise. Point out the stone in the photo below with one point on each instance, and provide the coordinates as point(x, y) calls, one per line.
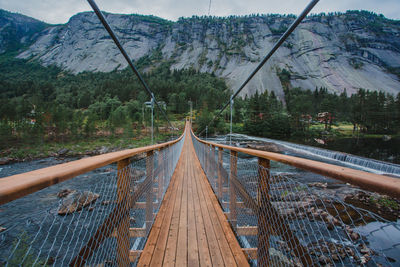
point(63, 151)
point(2, 229)
point(335, 257)
point(270, 147)
point(319, 185)
point(137, 173)
point(105, 202)
point(354, 236)
point(65, 192)
point(364, 249)
point(76, 201)
point(323, 259)
point(4, 161)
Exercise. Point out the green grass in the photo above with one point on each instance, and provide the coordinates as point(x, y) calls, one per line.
point(32, 150)
point(386, 202)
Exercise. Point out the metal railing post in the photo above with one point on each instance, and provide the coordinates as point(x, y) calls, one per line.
point(232, 197)
point(263, 197)
point(220, 166)
point(123, 190)
point(149, 196)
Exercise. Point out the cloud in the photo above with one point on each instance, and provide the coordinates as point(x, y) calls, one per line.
point(60, 11)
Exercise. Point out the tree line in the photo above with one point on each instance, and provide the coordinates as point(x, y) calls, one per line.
point(47, 103)
point(370, 112)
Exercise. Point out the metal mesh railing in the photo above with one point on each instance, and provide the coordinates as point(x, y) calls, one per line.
point(100, 218)
point(280, 221)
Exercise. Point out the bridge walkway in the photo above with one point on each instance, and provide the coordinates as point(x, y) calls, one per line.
point(191, 228)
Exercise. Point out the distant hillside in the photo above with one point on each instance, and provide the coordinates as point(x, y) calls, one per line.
point(354, 50)
point(18, 31)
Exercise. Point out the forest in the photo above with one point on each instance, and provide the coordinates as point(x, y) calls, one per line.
point(46, 104)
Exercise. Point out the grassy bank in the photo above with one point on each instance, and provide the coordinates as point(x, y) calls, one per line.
point(28, 150)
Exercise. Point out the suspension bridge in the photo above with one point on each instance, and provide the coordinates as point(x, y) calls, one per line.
point(190, 202)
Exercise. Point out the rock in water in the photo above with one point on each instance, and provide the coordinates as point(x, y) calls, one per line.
point(4, 161)
point(76, 201)
point(65, 192)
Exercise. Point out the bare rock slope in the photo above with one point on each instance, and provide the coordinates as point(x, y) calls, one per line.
point(337, 51)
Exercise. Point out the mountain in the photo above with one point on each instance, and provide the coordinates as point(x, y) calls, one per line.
point(357, 49)
point(18, 31)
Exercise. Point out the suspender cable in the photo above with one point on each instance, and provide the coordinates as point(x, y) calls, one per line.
point(123, 52)
point(292, 27)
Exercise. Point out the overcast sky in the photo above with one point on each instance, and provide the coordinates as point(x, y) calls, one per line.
point(59, 11)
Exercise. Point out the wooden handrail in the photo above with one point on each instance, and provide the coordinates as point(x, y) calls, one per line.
point(365, 180)
point(16, 186)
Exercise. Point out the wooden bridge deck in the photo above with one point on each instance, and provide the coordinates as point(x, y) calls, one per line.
point(191, 228)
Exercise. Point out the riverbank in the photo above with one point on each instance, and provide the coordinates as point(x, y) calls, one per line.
point(341, 138)
point(27, 151)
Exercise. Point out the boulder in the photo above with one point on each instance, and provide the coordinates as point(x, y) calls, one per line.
point(76, 201)
point(65, 192)
point(270, 147)
point(4, 161)
point(63, 151)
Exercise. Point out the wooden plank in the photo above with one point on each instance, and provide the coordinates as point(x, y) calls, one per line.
point(134, 254)
point(123, 191)
point(147, 254)
point(142, 205)
point(149, 196)
point(215, 252)
point(274, 218)
point(220, 181)
point(204, 252)
point(170, 249)
point(226, 253)
point(194, 234)
point(133, 232)
point(16, 186)
point(368, 181)
point(239, 204)
point(246, 230)
point(263, 197)
point(226, 228)
point(193, 250)
point(161, 242)
point(182, 245)
point(232, 193)
point(250, 253)
point(160, 175)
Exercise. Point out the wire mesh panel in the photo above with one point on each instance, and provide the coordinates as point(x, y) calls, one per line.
point(280, 221)
point(100, 218)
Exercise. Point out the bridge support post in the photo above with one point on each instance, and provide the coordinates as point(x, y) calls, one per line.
point(213, 168)
point(160, 174)
point(220, 166)
point(263, 198)
point(232, 196)
point(123, 190)
point(149, 196)
point(206, 159)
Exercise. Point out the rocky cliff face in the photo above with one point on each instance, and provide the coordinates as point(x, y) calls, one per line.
point(352, 50)
point(17, 31)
